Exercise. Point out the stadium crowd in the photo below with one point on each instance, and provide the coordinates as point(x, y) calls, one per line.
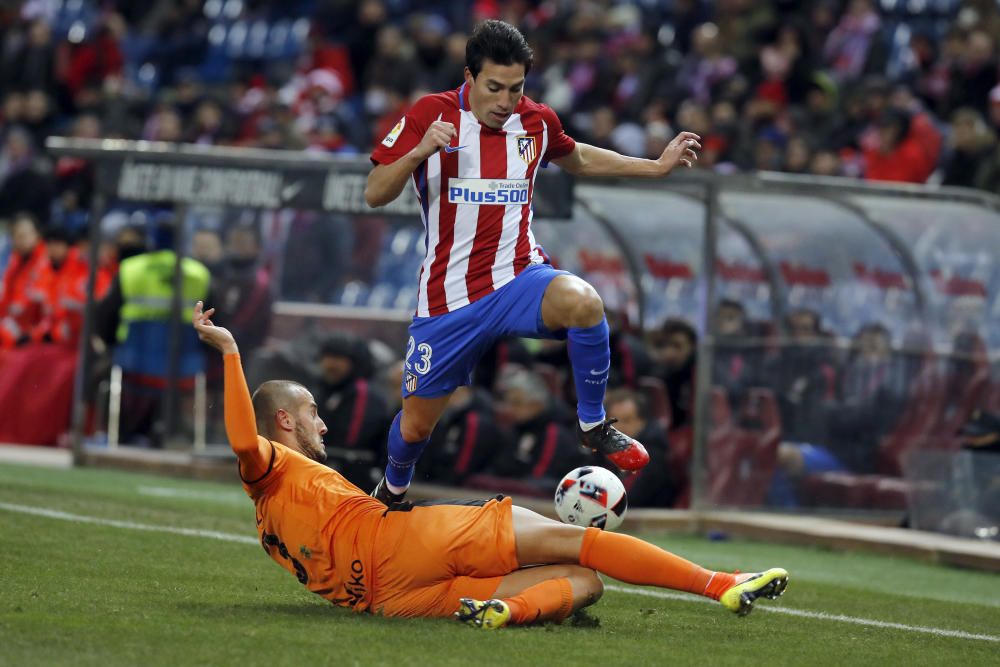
point(876, 90)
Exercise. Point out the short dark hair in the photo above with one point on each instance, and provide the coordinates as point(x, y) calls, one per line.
point(731, 303)
point(270, 397)
point(623, 395)
point(677, 326)
point(497, 41)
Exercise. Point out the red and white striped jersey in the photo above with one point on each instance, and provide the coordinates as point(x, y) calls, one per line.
point(475, 195)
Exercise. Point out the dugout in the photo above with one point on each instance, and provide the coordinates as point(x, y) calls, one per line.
point(850, 298)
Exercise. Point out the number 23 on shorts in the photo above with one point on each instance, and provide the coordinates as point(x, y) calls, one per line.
point(422, 364)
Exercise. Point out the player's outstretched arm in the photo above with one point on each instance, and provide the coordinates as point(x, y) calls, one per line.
point(386, 181)
point(241, 425)
point(587, 160)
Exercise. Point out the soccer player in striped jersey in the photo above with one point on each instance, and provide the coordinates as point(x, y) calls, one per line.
point(473, 155)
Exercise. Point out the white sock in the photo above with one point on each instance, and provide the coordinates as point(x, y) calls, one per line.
point(586, 426)
point(396, 489)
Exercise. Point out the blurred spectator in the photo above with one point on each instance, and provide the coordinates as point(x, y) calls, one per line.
point(353, 409)
point(847, 47)
point(674, 348)
point(163, 125)
point(629, 357)
point(707, 66)
point(972, 160)
point(974, 73)
point(206, 247)
point(895, 155)
point(391, 383)
point(129, 242)
point(872, 392)
point(98, 58)
point(179, 30)
point(653, 486)
point(497, 360)
point(20, 310)
point(804, 377)
point(74, 178)
point(140, 297)
point(30, 62)
point(62, 290)
point(24, 185)
point(465, 439)
point(144, 286)
point(737, 351)
point(542, 449)
point(243, 288)
point(209, 124)
point(314, 251)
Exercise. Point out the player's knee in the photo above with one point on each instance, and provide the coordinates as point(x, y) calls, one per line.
point(587, 586)
point(415, 430)
point(587, 308)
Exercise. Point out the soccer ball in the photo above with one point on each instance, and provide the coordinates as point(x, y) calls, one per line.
point(591, 496)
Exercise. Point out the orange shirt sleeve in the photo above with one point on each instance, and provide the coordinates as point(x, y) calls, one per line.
point(253, 451)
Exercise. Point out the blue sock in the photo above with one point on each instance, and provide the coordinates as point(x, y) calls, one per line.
point(590, 355)
point(403, 455)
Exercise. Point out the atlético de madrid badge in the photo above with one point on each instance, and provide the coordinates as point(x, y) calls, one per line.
point(526, 148)
point(411, 382)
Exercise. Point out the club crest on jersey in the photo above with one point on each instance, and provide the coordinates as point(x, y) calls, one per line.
point(394, 133)
point(411, 382)
point(526, 148)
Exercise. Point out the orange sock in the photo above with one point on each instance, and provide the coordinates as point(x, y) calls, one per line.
point(550, 600)
point(633, 561)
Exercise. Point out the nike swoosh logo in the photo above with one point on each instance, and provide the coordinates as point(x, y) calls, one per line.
point(452, 149)
point(290, 191)
point(593, 372)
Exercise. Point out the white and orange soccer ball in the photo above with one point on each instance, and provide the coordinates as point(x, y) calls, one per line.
point(591, 496)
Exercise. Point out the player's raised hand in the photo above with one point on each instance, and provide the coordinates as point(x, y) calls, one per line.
point(682, 150)
point(437, 136)
point(218, 337)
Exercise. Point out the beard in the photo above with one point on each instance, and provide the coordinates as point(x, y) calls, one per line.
point(312, 447)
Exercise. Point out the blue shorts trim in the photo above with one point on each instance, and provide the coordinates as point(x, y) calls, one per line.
point(442, 351)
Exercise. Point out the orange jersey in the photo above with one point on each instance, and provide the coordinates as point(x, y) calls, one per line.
point(311, 521)
point(346, 546)
point(318, 526)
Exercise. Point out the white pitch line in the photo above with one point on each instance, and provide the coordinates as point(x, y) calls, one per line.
point(222, 497)
point(662, 595)
point(823, 616)
point(129, 525)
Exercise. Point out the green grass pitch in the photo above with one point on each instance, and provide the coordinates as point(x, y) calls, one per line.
point(74, 593)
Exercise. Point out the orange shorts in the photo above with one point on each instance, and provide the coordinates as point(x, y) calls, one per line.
point(429, 557)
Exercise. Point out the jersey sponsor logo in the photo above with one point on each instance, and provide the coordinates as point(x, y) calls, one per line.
point(355, 586)
point(526, 148)
point(390, 139)
point(498, 191)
